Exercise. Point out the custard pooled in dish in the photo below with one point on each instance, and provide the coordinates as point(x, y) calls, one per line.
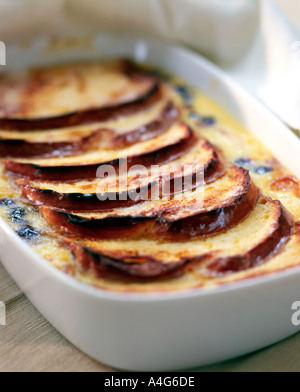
point(129, 180)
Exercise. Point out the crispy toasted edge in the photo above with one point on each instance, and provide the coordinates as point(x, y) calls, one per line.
point(276, 240)
point(90, 115)
point(248, 191)
point(73, 173)
point(156, 226)
point(109, 200)
point(151, 267)
point(24, 148)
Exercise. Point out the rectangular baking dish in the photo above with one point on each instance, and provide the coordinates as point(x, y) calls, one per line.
point(179, 330)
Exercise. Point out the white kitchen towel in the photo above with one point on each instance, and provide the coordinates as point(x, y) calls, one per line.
point(210, 26)
point(271, 68)
point(251, 39)
point(280, 88)
point(20, 19)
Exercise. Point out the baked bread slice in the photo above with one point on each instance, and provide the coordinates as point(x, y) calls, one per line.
point(166, 147)
point(175, 134)
point(69, 95)
point(77, 140)
point(264, 233)
point(201, 163)
point(198, 213)
point(89, 172)
point(231, 190)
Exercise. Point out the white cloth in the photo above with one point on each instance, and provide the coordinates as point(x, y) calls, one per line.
point(271, 68)
point(207, 25)
point(252, 39)
point(20, 19)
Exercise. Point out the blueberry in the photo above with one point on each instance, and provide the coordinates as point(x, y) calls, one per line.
point(6, 202)
point(262, 170)
point(209, 120)
point(185, 93)
point(182, 90)
point(243, 162)
point(17, 215)
point(27, 233)
point(195, 116)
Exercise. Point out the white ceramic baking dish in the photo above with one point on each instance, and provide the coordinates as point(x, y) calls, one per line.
point(155, 332)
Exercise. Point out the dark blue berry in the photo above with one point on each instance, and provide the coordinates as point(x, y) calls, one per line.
point(243, 162)
point(262, 170)
point(182, 90)
point(185, 93)
point(195, 116)
point(27, 233)
point(7, 202)
point(17, 215)
point(209, 120)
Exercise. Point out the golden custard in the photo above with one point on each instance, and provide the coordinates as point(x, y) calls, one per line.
point(238, 146)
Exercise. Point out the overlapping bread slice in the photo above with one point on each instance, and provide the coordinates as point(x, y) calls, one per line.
point(175, 134)
point(262, 235)
point(194, 211)
point(135, 128)
point(156, 238)
point(202, 163)
point(164, 148)
point(70, 95)
point(199, 212)
point(154, 116)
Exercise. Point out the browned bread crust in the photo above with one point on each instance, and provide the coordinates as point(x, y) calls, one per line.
point(106, 193)
point(197, 224)
point(64, 96)
point(150, 259)
point(75, 144)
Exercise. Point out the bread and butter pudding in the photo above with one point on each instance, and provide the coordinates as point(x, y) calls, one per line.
point(91, 158)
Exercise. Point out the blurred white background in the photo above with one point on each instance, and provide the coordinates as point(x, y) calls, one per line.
point(252, 39)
